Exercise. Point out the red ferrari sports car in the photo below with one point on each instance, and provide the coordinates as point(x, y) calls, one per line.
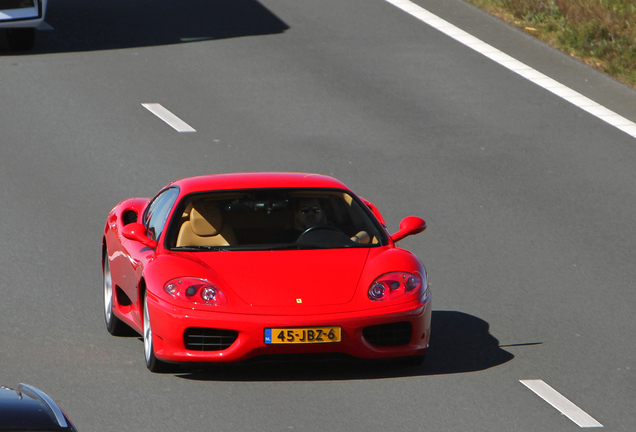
point(226, 267)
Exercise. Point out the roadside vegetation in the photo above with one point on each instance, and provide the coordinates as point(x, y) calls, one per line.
point(602, 33)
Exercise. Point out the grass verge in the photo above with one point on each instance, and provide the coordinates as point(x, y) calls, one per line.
point(602, 33)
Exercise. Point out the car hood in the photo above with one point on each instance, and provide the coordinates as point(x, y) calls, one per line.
point(285, 278)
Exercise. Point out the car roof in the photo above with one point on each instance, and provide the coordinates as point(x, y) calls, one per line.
point(256, 180)
point(27, 408)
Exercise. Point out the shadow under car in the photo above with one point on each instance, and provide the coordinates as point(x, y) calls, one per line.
point(90, 25)
point(459, 343)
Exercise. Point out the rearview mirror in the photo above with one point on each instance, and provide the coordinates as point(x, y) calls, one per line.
point(137, 232)
point(410, 225)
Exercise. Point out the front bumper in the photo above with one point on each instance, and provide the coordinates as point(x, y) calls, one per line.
point(169, 325)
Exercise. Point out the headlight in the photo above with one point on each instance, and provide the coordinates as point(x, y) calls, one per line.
point(195, 290)
point(395, 285)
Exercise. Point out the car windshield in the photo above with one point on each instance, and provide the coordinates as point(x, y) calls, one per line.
point(272, 219)
point(16, 4)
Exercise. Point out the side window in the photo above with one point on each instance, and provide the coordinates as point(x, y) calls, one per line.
point(157, 214)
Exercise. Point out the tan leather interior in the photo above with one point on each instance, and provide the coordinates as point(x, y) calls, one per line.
point(205, 227)
point(362, 237)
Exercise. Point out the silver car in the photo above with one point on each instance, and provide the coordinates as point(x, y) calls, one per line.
point(20, 18)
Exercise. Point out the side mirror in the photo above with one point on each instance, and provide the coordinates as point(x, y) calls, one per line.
point(410, 225)
point(137, 232)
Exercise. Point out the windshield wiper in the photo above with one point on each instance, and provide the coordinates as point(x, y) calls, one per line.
point(265, 247)
point(291, 246)
point(201, 248)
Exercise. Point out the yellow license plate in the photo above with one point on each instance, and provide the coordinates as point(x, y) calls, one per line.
point(303, 335)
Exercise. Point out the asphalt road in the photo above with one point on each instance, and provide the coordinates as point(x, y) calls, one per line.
point(529, 200)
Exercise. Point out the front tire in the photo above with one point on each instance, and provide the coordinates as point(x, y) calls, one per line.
point(21, 39)
point(152, 362)
point(114, 325)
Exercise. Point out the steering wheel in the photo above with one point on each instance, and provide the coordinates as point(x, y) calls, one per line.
point(322, 234)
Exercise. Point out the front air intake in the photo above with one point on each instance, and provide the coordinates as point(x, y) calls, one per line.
point(385, 335)
point(208, 339)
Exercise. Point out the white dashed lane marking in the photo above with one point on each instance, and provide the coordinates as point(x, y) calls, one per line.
point(517, 67)
point(558, 401)
point(165, 115)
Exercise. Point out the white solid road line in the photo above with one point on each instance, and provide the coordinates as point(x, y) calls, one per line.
point(558, 401)
point(516, 66)
point(165, 115)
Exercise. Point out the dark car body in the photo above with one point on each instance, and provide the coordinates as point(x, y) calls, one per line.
point(29, 409)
